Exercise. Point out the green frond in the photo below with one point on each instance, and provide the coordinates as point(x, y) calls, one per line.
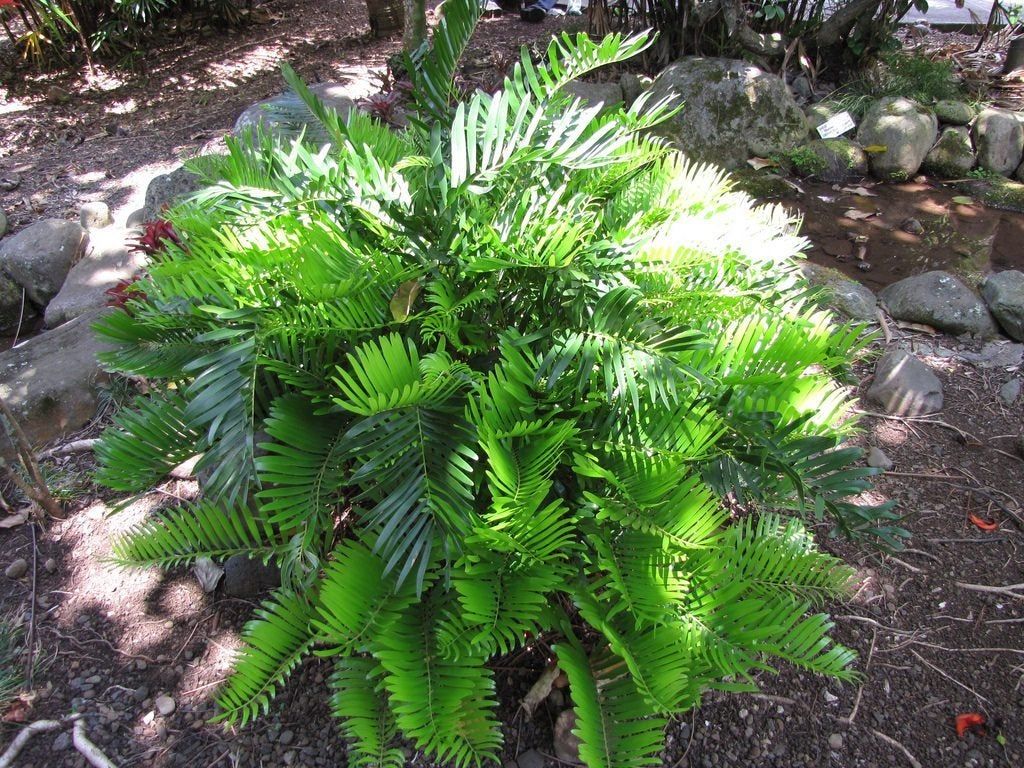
point(445, 706)
point(357, 598)
point(147, 439)
point(613, 721)
point(432, 68)
point(221, 402)
point(148, 344)
point(202, 529)
point(303, 469)
point(273, 645)
point(358, 700)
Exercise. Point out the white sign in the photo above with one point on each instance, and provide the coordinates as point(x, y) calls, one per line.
point(836, 126)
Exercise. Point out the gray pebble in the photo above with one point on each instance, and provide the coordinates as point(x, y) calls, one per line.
point(531, 758)
point(835, 741)
point(50, 565)
point(877, 458)
point(16, 569)
point(164, 705)
point(62, 743)
point(1010, 391)
point(286, 737)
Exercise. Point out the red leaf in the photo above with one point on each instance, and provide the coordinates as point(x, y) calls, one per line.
point(970, 721)
point(983, 524)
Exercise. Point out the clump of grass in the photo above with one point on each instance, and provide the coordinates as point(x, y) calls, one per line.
point(12, 647)
point(900, 74)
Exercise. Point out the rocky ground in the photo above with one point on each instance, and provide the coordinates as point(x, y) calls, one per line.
point(937, 627)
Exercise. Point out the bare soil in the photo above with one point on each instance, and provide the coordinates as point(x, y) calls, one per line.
point(109, 642)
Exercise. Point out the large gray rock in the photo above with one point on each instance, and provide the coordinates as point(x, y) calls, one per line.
point(999, 140)
point(846, 296)
point(11, 295)
point(592, 94)
point(905, 129)
point(940, 300)
point(952, 112)
point(952, 156)
point(289, 110)
point(633, 86)
point(731, 110)
point(108, 261)
point(52, 382)
point(247, 577)
point(820, 113)
point(905, 386)
point(164, 191)
point(40, 256)
point(1004, 294)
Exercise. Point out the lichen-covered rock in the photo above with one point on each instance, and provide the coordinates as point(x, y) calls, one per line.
point(282, 109)
point(39, 257)
point(731, 111)
point(848, 297)
point(905, 386)
point(591, 94)
point(952, 156)
point(1004, 294)
point(950, 112)
point(52, 382)
point(11, 296)
point(164, 191)
point(838, 159)
point(108, 261)
point(940, 300)
point(901, 131)
point(999, 141)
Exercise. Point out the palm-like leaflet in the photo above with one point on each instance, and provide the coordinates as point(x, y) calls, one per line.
point(488, 377)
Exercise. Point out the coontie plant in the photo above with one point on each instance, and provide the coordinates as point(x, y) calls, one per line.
point(517, 370)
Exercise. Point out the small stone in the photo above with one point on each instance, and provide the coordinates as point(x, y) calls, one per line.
point(95, 215)
point(3, 223)
point(140, 693)
point(835, 741)
point(10, 182)
point(164, 705)
point(905, 386)
point(50, 565)
point(286, 738)
point(912, 226)
point(567, 744)
point(877, 458)
point(57, 95)
point(62, 743)
point(531, 758)
point(1010, 391)
point(16, 569)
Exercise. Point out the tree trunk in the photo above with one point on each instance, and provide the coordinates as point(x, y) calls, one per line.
point(415, 32)
point(386, 16)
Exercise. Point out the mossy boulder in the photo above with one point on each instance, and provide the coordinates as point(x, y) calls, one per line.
point(900, 131)
point(951, 112)
point(732, 111)
point(831, 160)
point(820, 113)
point(952, 156)
point(760, 185)
point(846, 296)
point(1003, 194)
point(999, 140)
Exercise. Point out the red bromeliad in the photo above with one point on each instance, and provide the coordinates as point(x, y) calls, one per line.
point(152, 240)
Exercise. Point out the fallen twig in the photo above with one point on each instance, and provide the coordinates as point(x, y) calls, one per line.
point(75, 446)
point(949, 677)
point(893, 743)
point(88, 750)
point(26, 733)
point(1010, 590)
point(36, 489)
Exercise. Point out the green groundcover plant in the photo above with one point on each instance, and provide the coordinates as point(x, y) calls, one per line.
point(517, 370)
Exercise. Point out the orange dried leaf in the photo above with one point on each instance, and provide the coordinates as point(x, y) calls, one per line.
point(968, 721)
point(983, 524)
